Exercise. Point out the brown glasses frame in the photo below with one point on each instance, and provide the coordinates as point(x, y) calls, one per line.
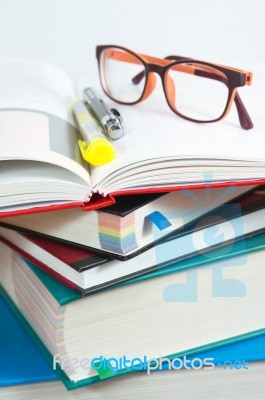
point(234, 78)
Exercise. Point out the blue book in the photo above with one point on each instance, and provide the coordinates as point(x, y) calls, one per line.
point(22, 361)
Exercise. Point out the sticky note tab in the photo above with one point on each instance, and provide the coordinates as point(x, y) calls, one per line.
point(160, 221)
point(104, 371)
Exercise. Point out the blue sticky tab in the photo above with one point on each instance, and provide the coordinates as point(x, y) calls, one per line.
point(159, 220)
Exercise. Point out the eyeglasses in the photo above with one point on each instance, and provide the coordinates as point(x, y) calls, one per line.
point(195, 90)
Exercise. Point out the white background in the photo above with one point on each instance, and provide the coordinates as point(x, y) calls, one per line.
point(65, 32)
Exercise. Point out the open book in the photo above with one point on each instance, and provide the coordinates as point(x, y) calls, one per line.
point(41, 165)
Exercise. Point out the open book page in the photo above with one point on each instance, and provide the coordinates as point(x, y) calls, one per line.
point(159, 147)
point(35, 118)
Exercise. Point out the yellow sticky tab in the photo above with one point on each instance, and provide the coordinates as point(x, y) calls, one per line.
point(99, 152)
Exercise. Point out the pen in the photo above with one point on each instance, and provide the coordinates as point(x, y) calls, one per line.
point(95, 148)
point(110, 122)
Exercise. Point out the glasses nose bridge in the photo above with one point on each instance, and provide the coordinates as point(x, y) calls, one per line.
point(168, 84)
point(158, 69)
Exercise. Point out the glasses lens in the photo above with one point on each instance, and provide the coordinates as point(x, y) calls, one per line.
point(122, 75)
point(197, 91)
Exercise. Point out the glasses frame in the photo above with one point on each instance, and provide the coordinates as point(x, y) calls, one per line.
point(152, 65)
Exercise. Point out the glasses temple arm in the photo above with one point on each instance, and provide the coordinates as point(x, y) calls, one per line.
point(243, 115)
point(244, 118)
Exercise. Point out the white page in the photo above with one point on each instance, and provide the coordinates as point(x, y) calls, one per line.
point(35, 118)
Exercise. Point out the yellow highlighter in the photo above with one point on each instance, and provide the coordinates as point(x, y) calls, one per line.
point(95, 148)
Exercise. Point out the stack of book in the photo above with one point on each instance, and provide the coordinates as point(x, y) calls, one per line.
point(144, 279)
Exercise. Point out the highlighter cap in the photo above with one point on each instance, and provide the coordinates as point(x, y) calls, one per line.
point(99, 152)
